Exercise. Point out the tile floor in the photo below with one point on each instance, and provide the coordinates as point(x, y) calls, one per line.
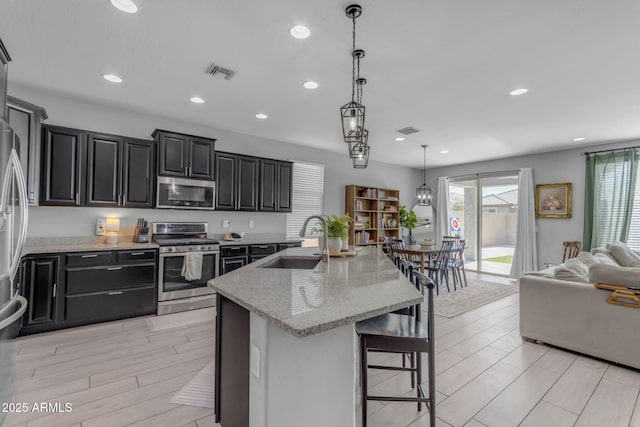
point(124, 373)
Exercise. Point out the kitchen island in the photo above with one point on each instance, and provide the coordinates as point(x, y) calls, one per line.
point(286, 348)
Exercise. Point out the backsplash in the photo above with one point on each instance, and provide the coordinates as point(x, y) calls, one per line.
point(81, 222)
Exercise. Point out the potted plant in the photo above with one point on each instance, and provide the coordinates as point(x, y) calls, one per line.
point(337, 230)
point(408, 220)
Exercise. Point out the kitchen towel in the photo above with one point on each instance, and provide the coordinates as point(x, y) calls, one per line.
point(192, 266)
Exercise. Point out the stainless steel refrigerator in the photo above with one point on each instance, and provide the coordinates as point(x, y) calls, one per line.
point(13, 231)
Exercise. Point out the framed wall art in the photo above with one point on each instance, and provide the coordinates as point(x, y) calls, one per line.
point(553, 200)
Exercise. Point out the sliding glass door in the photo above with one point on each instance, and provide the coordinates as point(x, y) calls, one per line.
point(483, 211)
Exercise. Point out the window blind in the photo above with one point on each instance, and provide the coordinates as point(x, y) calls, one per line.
point(307, 195)
point(633, 240)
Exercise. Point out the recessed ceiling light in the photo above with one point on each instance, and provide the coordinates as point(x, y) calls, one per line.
point(261, 116)
point(310, 85)
point(126, 6)
point(517, 92)
point(444, 151)
point(112, 78)
point(400, 138)
point(197, 100)
point(299, 32)
point(582, 138)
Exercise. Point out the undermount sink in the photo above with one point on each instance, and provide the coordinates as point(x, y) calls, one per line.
point(293, 262)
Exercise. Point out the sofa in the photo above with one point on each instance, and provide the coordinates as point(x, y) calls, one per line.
point(560, 306)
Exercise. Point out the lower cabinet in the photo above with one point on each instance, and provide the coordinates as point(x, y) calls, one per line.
point(39, 285)
point(232, 263)
point(87, 287)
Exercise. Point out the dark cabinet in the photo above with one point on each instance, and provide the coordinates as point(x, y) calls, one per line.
point(62, 166)
point(275, 185)
point(185, 155)
point(283, 246)
point(232, 263)
point(285, 186)
point(120, 171)
point(236, 182)
point(39, 285)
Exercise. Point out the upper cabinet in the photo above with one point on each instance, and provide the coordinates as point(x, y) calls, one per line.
point(236, 182)
point(185, 155)
point(91, 169)
point(26, 120)
point(275, 185)
point(62, 166)
point(120, 171)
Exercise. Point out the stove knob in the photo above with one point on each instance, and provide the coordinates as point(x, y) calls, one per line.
point(190, 249)
point(169, 250)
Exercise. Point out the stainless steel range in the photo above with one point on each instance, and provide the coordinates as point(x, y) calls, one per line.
point(176, 239)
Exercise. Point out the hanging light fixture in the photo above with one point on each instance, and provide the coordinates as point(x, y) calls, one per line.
point(424, 191)
point(359, 150)
point(352, 113)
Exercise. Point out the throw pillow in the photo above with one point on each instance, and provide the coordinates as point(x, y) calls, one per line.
point(624, 276)
point(587, 259)
point(572, 270)
point(624, 255)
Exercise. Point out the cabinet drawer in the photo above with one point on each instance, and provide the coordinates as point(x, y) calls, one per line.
point(255, 258)
point(87, 280)
point(283, 246)
point(233, 250)
point(136, 256)
point(110, 305)
point(89, 258)
point(263, 249)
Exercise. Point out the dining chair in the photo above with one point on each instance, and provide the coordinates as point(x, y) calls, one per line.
point(456, 263)
point(401, 333)
point(391, 246)
point(439, 268)
point(571, 249)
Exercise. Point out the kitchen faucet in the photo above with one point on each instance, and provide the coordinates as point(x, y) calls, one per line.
point(325, 251)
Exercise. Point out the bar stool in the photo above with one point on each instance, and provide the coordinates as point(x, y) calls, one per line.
point(393, 332)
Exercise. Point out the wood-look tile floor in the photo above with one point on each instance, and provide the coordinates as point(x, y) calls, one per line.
point(122, 373)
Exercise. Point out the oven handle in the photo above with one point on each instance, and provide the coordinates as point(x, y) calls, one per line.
point(175, 254)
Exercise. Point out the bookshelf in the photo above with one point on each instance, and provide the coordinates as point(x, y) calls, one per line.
point(375, 212)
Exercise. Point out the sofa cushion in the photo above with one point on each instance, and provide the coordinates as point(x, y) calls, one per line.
point(587, 259)
point(600, 252)
point(572, 270)
point(612, 275)
point(624, 255)
point(606, 259)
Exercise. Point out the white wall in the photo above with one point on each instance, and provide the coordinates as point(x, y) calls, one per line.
point(550, 167)
point(74, 112)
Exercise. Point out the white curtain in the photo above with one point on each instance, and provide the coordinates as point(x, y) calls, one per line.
point(525, 257)
point(442, 209)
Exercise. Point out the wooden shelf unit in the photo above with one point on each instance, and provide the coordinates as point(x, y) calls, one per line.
point(375, 212)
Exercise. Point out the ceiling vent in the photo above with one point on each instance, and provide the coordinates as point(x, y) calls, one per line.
point(408, 130)
point(216, 70)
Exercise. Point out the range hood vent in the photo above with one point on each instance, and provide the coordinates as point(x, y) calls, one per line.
point(408, 130)
point(217, 70)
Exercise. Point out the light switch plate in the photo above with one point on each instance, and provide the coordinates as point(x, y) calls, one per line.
point(226, 223)
point(100, 223)
point(255, 361)
point(251, 223)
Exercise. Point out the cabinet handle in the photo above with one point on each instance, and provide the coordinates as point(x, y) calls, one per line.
point(90, 256)
point(78, 197)
point(124, 198)
point(114, 268)
point(55, 289)
point(263, 247)
point(137, 253)
point(115, 293)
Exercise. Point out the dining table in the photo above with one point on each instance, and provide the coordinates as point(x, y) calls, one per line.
point(422, 252)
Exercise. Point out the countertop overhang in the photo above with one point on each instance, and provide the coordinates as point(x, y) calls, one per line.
point(307, 302)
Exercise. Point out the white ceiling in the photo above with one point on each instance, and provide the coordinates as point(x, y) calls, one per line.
point(444, 67)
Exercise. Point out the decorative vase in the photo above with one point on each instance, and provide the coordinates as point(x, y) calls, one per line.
point(335, 244)
point(345, 243)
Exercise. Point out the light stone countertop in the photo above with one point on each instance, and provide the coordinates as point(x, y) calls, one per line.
point(307, 302)
point(256, 239)
point(42, 245)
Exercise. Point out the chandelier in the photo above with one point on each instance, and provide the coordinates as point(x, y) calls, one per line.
point(359, 150)
point(424, 191)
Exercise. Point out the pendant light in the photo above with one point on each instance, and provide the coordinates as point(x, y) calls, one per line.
point(359, 151)
point(352, 113)
point(424, 191)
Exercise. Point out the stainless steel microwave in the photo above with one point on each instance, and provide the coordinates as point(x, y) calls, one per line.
point(180, 193)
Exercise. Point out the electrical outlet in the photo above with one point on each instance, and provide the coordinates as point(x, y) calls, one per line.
point(226, 223)
point(251, 223)
point(100, 224)
point(255, 361)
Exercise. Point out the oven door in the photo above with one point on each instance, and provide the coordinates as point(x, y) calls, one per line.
point(185, 193)
point(171, 284)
